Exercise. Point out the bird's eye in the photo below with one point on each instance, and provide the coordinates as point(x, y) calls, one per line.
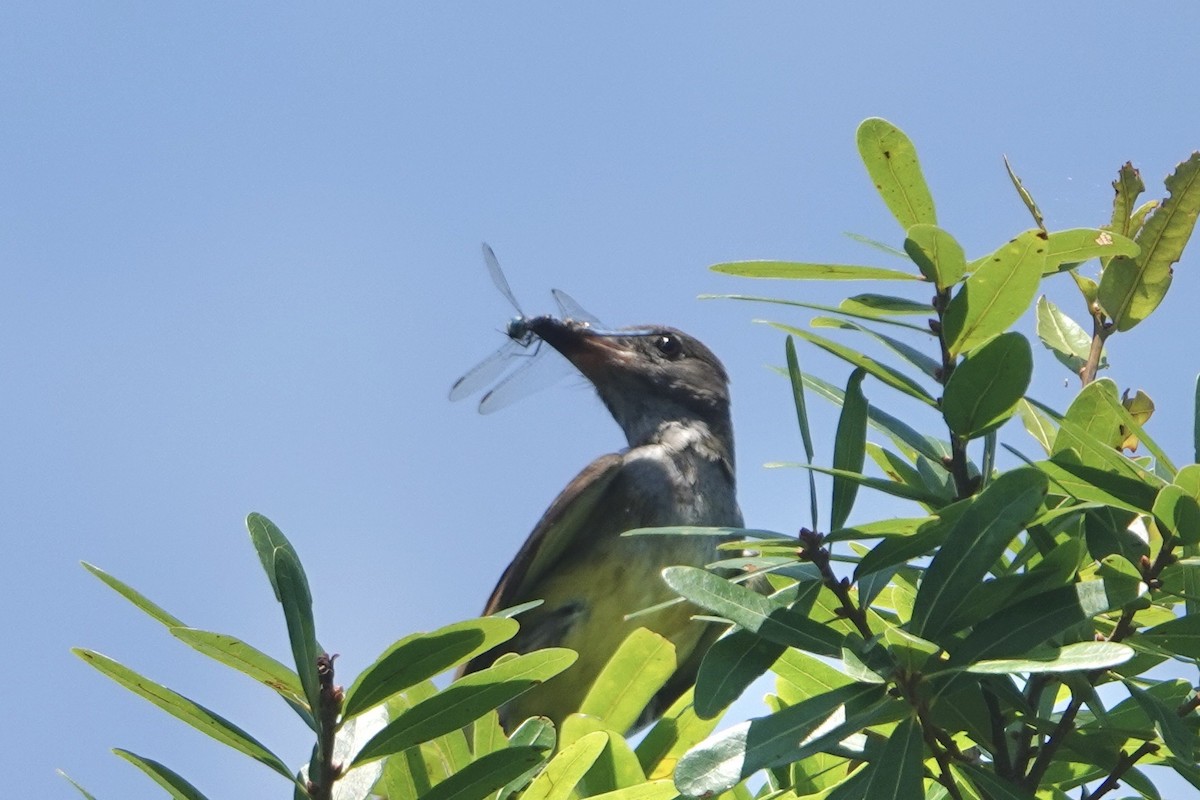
point(669, 346)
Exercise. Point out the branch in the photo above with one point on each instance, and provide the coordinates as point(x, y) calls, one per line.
point(813, 550)
point(322, 772)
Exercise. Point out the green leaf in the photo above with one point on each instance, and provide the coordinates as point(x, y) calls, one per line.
point(1128, 186)
point(566, 769)
point(133, 596)
point(881, 306)
point(172, 781)
point(88, 795)
point(292, 586)
point(898, 773)
point(849, 448)
point(679, 729)
point(894, 551)
point(891, 161)
point(1026, 197)
point(1178, 513)
point(996, 788)
point(486, 774)
point(797, 380)
point(267, 540)
point(1180, 636)
point(1090, 485)
point(642, 665)
point(1038, 426)
point(886, 486)
point(844, 309)
point(935, 252)
point(193, 714)
point(1068, 658)
point(996, 294)
point(652, 790)
point(248, 660)
point(724, 759)
point(752, 611)
point(1196, 422)
point(805, 271)
point(1131, 288)
point(929, 366)
point(465, 700)
point(1042, 617)
point(730, 665)
point(983, 532)
point(984, 389)
point(1167, 724)
point(1063, 336)
point(1080, 244)
point(421, 656)
point(888, 375)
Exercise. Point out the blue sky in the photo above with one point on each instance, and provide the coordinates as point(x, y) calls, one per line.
point(241, 268)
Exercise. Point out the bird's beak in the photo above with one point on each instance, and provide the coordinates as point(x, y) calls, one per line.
point(594, 354)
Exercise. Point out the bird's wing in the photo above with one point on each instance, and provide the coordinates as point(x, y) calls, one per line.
point(555, 532)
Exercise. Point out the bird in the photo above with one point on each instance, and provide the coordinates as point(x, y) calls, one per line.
point(670, 396)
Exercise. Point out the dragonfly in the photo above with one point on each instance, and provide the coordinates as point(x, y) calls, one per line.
point(530, 364)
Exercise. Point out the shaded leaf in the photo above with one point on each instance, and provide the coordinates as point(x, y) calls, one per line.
point(797, 380)
point(1127, 186)
point(421, 656)
point(912, 355)
point(1063, 336)
point(996, 294)
point(267, 539)
point(292, 587)
point(465, 700)
point(1026, 197)
point(1178, 513)
point(984, 389)
point(1176, 735)
point(881, 305)
point(730, 665)
point(486, 774)
point(1181, 636)
point(982, 533)
point(752, 611)
point(891, 161)
point(886, 486)
point(676, 732)
point(849, 448)
point(1039, 427)
point(898, 773)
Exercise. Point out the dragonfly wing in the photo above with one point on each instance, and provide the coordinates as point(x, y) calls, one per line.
point(543, 367)
point(570, 309)
point(486, 371)
point(493, 267)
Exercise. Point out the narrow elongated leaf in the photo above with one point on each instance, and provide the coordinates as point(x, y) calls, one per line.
point(936, 253)
point(893, 488)
point(996, 788)
point(1080, 244)
point(233, 652)
point(423, 655)
point(805, 271)
point(86, 794)
point(879, 306)
point(730, 665)
point(1038, 426)
point(642, 665)
point(891, 161)
point(294, 595)
point(752, 611)
point(194, 714)
point(1131, 288)
point(897, 774)
point(894, 551)
point(797, 379)
point(1175, 734)
point(1068, 658)
point(1180, 636)
point(849, 448)
point(567, 768)
point(983, 390)
point(721, 761)
point(912, 355)
point(845, 309)
point(1091, 485)
point(983, 532)
point(134, 596)
point(888, 375)
point(486, 774)
point(1025, 196)
point(172, 781)
point(465, 700)
point(996, 294)
point(1063, 336)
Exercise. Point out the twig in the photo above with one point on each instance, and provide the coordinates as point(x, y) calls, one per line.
point(812, 549)
point(322, 772)
point(1100, 333)
point(1124, 764)
point(1000, 756)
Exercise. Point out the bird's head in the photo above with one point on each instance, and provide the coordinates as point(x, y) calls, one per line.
point(647, 376)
